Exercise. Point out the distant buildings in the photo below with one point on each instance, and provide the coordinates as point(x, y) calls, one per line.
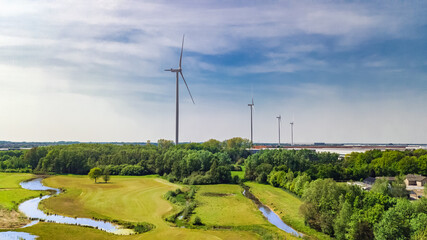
point(415, 180)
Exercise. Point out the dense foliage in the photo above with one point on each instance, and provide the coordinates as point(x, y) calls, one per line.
point(354, 166)
point(347, 212)
point(193, 163)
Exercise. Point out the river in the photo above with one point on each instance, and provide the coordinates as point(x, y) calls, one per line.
point(271, 216)
point(30, 209)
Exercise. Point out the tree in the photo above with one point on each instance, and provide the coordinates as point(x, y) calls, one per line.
point(381, 186)
point(197, 221)
point(95, 173)
point(164, 144)
point(106, 175)
point(398, 188)
point(395, 223)
point(321, 204)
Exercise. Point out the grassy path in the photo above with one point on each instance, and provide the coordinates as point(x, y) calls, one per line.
point(286, 206)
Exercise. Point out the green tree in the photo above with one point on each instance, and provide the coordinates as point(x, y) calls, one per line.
point(164, 144)
point(381, 186)
point(197, 221)
point(422, 165)
point(398, 188)
point(212, 145)
point(106, 174)
point(322, 198)
point(408, 165)
point(395, 223)
point(342, 221)
point(95, 173)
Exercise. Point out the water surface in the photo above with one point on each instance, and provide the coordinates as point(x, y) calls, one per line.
point(16, 236)
point(271, 216)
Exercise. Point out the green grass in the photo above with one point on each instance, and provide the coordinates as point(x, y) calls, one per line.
point(12, 180)
point(11, 193)
point(231, 209)
point(240, 174)
point(133, 199)
point(224, 205)
point(286, 206)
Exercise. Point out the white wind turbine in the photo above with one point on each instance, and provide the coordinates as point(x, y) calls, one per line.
point(292, 131)
point(279, 121)
point(179, 71)
point(251, 105)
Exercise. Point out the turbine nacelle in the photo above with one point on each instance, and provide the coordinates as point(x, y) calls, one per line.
point(174, 70)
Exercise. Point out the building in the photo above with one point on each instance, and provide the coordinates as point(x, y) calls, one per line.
point(369, 180)
point(415, 180)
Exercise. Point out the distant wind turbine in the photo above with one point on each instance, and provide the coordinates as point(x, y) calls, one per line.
point(292, 132)
point(251, 105)
point(179, 71)
point(279, 120)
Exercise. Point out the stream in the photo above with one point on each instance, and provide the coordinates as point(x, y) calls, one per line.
point(30, 209)
point(271, 216)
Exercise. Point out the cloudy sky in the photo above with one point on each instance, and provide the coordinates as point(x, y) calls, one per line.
point(94, 70)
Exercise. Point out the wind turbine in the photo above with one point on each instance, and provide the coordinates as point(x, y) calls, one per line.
point(292, 132)
point(279, 120)
point(179, 71)
point(251, 105)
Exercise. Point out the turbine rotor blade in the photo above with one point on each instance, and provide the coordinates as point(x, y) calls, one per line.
point(182, 48)
point(187, 87)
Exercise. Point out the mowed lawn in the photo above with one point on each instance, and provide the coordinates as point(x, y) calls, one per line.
point(286, 206)
point(240, 174)
point(225, 205)
point(135, 199)
point(11, 193)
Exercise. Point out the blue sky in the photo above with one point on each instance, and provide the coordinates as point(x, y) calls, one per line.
point(344, 71)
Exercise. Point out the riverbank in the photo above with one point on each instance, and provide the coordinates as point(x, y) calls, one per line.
point(11, 195)
point(286, 206)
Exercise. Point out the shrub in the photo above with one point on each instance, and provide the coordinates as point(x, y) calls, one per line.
point(197, 221)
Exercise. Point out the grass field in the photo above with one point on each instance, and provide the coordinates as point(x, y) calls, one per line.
point(286, 206)
point(225, 205)
point(240, 174)
point(11, 194)
point(134, 199)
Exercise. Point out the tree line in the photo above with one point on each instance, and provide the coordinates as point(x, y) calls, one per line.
point(193, 163)
point(354, 166)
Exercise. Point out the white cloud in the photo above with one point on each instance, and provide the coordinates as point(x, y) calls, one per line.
point(93, 70)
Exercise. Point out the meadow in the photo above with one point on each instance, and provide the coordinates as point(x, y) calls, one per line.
point(11, 194)
point(286, 205)
point(133, 199)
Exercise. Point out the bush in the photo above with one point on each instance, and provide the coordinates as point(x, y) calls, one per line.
point(236, 179)
point(133, 170)
point(197, 221)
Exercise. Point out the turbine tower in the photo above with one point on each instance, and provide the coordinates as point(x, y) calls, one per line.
point(292, 133)
point(251, 105)
point(178, 71)
point(279, 120)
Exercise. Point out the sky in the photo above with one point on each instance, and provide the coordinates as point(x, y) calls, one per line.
point(343, 71)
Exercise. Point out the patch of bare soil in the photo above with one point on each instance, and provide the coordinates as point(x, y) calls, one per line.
point(12, 219)
point(214, 194)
